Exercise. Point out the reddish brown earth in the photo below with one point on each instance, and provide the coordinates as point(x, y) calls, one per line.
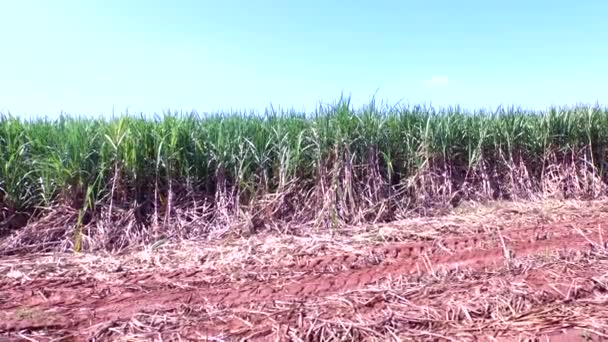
point(79, 309)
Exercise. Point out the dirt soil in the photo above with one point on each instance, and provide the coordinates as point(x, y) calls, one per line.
point(507, 282)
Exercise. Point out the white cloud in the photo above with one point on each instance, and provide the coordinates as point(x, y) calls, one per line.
point(437, 81)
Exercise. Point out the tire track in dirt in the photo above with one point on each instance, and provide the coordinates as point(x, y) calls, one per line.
point(323, 284)
point(413, 251)
point(334, 263)
point(88, 302)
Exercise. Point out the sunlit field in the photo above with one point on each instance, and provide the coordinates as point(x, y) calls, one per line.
point(371, 224)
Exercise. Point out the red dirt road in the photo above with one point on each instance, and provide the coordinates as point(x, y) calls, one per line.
point(86, 307)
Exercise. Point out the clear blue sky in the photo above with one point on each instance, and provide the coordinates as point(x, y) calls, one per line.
point(85, 57)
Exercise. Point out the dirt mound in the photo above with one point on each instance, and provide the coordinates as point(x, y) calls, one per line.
point(86, 304)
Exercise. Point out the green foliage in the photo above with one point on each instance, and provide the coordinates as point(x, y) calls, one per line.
point(42, 160)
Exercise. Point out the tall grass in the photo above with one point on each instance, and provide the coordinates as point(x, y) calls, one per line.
point(336, 164)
